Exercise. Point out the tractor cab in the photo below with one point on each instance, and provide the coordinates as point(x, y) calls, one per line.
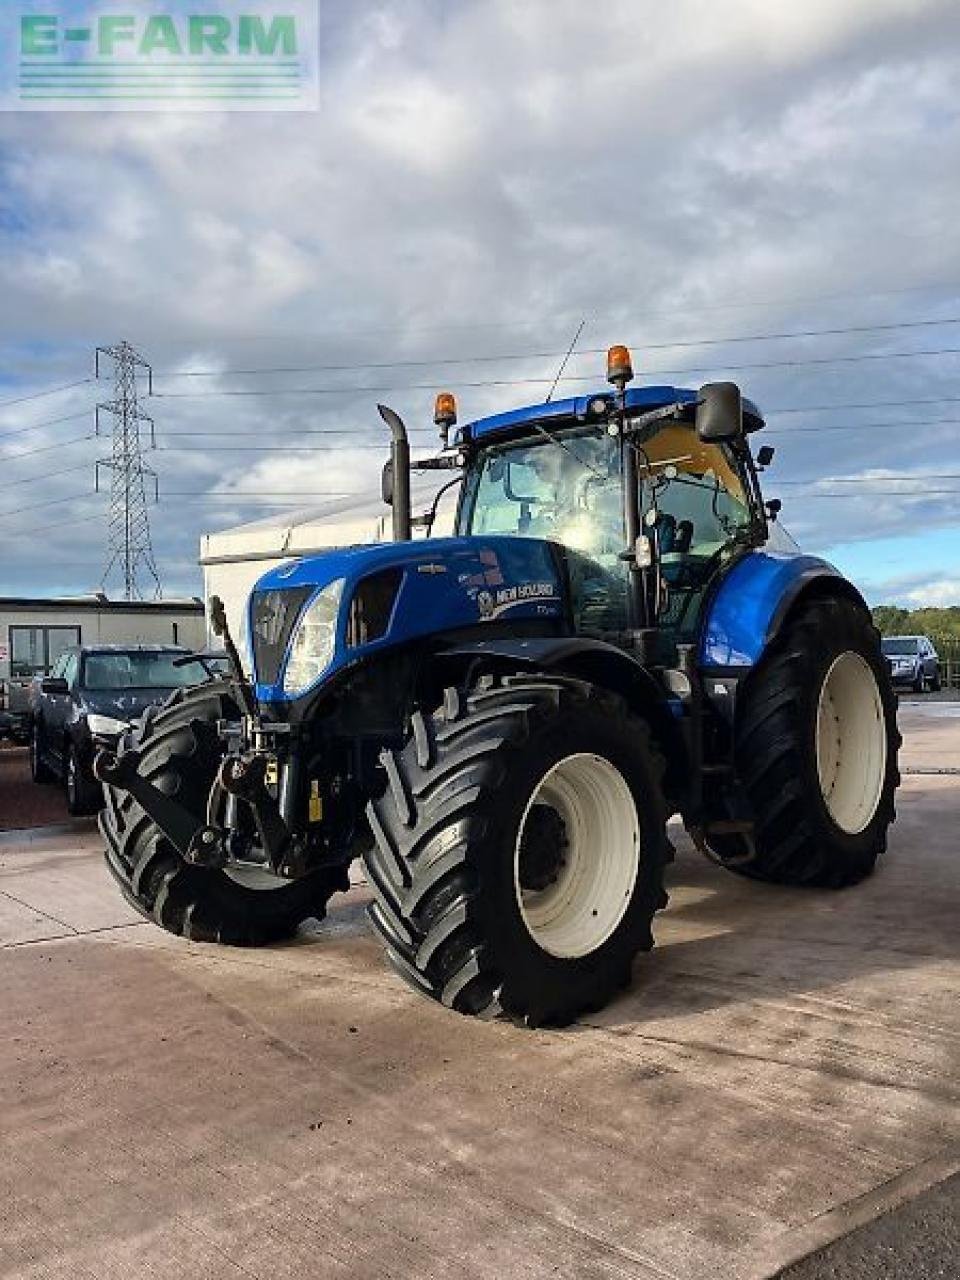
point(562, 478)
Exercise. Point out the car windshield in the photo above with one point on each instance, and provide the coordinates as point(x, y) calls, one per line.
point(900, 645)
point(139, 669)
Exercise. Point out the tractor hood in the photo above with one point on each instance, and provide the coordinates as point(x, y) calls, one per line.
point(332, 610)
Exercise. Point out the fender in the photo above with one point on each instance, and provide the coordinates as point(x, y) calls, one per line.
point(753, 601)
point(599, 662)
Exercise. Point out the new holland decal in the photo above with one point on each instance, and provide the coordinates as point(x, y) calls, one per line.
point(492, 604)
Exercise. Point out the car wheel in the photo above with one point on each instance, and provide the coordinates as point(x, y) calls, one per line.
point(84, 794)
point(40, 771)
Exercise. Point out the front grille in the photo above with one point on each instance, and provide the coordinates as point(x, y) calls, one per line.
point(273, 615)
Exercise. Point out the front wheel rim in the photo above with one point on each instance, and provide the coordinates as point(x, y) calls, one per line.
point(582, 906)
point(851, 742)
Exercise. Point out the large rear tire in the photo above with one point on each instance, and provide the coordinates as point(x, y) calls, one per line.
point(816, 750)
point(519, 849)
point(181, 754)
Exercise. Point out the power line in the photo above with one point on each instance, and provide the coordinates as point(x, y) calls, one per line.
point(67, 471)
point(863, 426)
point(37, 426)
point(50, 502)
point(255, 498)
point(949, 475)
point(282, 441)
point(46, 448)
point(283, 446)
point(298, 431)
point(428, 432)
point(554, 355)
point(888, 493)
point(50, 391)
point(56, 524)
point(517, 382)
point(541, 322)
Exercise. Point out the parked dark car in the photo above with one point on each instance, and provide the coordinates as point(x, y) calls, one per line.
point(92, 696)
point(913, 662)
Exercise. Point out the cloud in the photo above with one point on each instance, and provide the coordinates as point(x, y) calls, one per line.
point(935, 591)
point(477, 179)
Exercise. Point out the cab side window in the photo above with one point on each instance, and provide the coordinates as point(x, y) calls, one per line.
point(71, 662)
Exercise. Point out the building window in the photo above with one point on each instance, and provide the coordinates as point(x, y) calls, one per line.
point(34, 650)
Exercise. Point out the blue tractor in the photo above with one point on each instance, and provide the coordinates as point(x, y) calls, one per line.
point(500, 723)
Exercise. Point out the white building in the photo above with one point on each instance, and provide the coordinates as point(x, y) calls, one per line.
point(35, 631)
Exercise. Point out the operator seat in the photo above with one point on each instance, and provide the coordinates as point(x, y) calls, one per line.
point(666, 532)
point(684, 538)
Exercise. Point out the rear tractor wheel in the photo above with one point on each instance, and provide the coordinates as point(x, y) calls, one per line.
point(236, 905)
point(816, 751)
point(519, 849)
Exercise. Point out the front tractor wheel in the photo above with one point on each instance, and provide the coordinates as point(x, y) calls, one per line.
point(519, 849)
point(238, 905)
point(816, 750)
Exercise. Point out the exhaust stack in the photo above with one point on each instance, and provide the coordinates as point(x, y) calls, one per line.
point(399, 496)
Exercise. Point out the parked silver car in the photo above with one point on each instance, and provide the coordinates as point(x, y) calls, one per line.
point(913, 662)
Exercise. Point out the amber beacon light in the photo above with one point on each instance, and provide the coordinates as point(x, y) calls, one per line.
point(445, 414)
point(619, 366)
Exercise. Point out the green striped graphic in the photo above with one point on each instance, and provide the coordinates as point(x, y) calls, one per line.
point(232, 78)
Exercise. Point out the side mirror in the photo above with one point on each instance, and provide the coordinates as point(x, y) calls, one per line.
point(54, 684)
point(773, 508)
point(719, 413)
point(765, 456)
point(386, 482)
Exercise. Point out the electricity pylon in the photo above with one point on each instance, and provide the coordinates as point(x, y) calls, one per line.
point(128, 530)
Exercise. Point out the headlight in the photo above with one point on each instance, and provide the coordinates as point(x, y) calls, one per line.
point(313, 640)
point(106, 726)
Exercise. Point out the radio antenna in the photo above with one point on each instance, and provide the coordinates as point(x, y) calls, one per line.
point(563, 362)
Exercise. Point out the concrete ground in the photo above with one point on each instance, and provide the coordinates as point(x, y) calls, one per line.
point(785, 1069)
point(23, 803)
point(920, 1240)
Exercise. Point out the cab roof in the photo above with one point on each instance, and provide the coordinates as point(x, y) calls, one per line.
point(576, 409)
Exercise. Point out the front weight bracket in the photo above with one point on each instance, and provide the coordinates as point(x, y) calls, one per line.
point(200, 844)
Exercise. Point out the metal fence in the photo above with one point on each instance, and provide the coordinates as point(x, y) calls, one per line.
point(948, 650)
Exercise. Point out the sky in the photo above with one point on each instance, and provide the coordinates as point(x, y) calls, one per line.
point(765, 192)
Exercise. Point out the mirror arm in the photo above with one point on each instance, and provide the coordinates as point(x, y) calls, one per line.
point(669, 412)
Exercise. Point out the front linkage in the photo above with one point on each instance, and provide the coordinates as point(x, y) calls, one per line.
point(252, 750)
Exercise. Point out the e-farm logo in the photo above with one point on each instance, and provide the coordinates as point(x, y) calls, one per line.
point(173, 55)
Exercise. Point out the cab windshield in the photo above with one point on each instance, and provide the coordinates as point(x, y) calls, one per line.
point(569, 489)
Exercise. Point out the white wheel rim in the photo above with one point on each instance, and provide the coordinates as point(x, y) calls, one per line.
point(851, 743)
point(578, 912)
